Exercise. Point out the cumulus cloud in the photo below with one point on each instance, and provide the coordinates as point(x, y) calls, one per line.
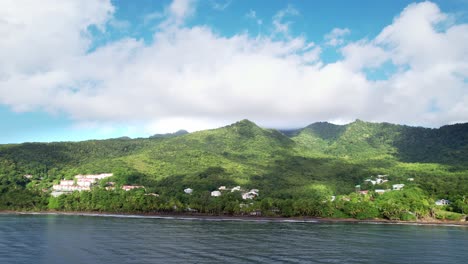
point(192, 77)
point(335, 37)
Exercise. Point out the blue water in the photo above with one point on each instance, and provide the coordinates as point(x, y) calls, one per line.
point(88, 239)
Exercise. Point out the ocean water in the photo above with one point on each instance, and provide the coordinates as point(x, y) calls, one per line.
point(91, 239)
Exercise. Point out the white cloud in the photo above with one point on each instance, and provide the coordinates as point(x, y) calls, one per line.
point(335, 37)
point(364, 54)
point(179, 10)
point(280, 25)
point(194, 78)
point(253, 15)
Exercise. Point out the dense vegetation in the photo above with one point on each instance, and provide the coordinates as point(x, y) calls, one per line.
point(295, 171)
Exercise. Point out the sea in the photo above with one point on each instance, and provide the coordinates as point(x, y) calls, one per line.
point(68, 239)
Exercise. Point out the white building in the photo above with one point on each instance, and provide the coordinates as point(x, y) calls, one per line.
point(222, 188)
point(237, 188)
point(250, 195)
point(381, 180)
point(410, 179)
point(215, 193)
point(397, 187)
point(188, 191)
point(86, 182)
point(379, 191)
point(377, 181)
point(67, 182)
point(69, 188)
point(442, 202)
point(371, 181)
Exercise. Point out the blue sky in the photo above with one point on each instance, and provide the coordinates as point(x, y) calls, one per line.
point(78, 70)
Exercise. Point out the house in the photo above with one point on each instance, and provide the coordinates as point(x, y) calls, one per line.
point(28, 176)
point(188, 191)
point(237, 188)
point(379, 191)
point(131, 187)
point(358, 188)
point(397, 187)
point(250, 195)
point(380, 181)
point(67, 182)
point(69, 188)
point(215, 193)
point(442, 202)
point(222, 188)
point(363, 192)
point(85, 182)
point(410, 179)
point(371, 181)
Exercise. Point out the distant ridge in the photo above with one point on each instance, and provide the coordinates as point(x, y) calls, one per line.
point(168, 135)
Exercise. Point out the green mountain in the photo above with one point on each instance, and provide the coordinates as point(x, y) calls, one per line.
point(283, 165)
point(446, 145)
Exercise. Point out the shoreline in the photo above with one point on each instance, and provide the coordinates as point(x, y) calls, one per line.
point(201, 217)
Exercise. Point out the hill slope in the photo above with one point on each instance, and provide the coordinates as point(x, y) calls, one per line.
point(361, 140)
point(243, 153)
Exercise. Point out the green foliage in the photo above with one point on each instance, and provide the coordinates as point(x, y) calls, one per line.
point(444, 215)
point(296, 174)
point(398, 204)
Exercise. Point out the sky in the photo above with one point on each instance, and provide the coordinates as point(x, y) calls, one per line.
point(95, 69)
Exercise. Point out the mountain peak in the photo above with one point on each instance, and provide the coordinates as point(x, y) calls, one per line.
point(246, 122)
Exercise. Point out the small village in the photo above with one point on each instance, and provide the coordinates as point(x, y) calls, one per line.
point(85, 183)
point(379, 180)
point(88, 181)
point(246, 195)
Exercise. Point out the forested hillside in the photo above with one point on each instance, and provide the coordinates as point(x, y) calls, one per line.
point(320, 158)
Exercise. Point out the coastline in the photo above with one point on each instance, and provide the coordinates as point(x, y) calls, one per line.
point(278, 219)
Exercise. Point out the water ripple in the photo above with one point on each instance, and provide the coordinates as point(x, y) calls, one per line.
point(86, 239)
